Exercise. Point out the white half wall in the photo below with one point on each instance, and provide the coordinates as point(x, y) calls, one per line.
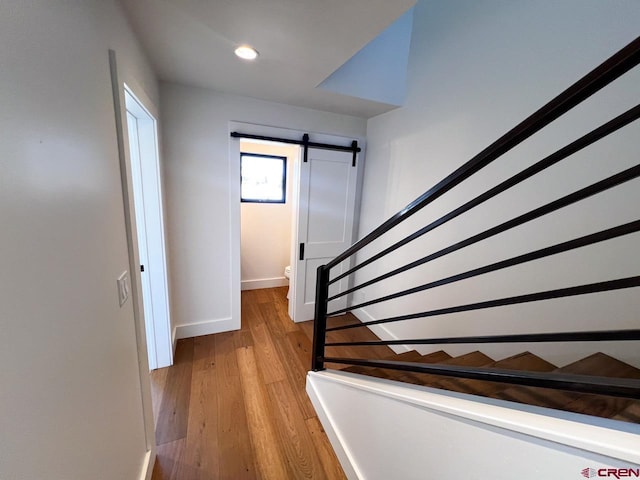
point(382, 429)
point(70, 385)
point(202, 191)
point(265, 228)
point(476, 69)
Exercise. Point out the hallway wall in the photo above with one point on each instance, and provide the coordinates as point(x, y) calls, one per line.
point(70, 391)
point(203, 204)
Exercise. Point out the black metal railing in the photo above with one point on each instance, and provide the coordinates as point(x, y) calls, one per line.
point(620, 63)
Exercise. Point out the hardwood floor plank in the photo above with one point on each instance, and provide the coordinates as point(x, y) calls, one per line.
point(234, 443)
point(226, 363)
point(266, 356)
point(324, 449)
point(158, 383)
point(168, 460)
point(262, 295)
point(296, 374)
point(204, 353)
point(252, 315)
point(307, 329)
point(201, 453)
point(298, 446)
point(236, 419)
point(174, 409)
point(301, 346)
point(281, 305)
point(271, 317)
point(269, 457)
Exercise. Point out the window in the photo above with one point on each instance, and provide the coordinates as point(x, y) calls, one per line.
point(263, 178)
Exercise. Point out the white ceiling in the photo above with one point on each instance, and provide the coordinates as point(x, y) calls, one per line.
point(301, 42)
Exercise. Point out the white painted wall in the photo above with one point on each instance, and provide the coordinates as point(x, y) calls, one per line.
point(202, 191)
point(71, 391)
point(426, 433)
point(266, 227)
point(477, 68)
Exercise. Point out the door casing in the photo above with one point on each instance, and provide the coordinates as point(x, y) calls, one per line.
point(234, 192)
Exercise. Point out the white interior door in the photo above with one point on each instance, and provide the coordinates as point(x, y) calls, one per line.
point(325, 223)
point(147, 299)
point(145, 173)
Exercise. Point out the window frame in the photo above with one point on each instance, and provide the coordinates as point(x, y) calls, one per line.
point(283, 200)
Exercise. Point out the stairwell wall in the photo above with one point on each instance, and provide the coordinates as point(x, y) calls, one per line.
point(476, 69)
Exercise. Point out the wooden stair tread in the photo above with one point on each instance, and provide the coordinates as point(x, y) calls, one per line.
point(602, 365)
point(598, 364)
point(630, 414)
point(411, 356)
point(353, 335)
point(473, 359)
point(397, 375)
point(525, 361)
point(599, 405)
point(435, 357)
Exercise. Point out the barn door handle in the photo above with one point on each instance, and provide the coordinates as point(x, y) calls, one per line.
point(302, 251)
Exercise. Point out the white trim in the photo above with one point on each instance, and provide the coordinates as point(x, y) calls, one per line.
point(380, 330)
point(132, 252)
point(602, 436)
point(147, 465)
point(206, 327)
point(337, 442)
point(264, 283)
point(162, 356)
point(235, 275)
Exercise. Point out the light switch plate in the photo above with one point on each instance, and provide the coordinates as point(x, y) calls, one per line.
point(123, 287)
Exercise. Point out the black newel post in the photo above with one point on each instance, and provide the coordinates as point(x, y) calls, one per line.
point(320, 320)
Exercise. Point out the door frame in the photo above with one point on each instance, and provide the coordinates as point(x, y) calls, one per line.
point(158, 324)
point(117, 90)
point(234, 197)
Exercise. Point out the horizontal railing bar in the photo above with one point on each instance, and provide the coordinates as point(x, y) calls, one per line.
point(599, 77)
point(610, 182)
point(618, 387)
point(597, 134)
point(562, 247)
point(593, 336)
point(606, 286)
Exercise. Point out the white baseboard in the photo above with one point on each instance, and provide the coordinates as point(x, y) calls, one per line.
point(380, 330)
point(264, 283)
point(207, 327)
point(147, 465)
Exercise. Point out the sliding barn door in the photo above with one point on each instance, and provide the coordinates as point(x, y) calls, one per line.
point(325, 223)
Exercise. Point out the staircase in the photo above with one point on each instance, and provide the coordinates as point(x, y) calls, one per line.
point(597, 364)
point(597, 385)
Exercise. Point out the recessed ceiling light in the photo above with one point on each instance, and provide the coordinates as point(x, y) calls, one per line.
point(246, 52)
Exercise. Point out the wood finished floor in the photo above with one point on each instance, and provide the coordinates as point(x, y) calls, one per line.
point(234, 405)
